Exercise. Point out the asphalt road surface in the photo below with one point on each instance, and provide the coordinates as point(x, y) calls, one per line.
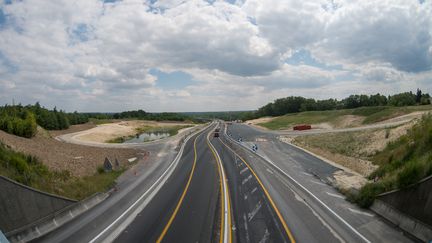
point(214, 189)
point(286, 170)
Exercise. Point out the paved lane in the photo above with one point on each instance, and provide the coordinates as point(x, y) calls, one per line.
point(284, 167)
point(185, 209)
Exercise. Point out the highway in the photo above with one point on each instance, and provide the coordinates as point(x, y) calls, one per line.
point(214, 189)
point(286, 170)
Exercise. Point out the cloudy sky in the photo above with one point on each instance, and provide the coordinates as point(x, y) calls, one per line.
point(177, 55)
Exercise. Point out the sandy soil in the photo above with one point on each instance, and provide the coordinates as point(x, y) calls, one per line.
point(255, 122)
point(78, 159)
point(349, 121)
point(105, 132)
point(410, 116)
point(72, 129)
point(347, 181)
point(378, 139)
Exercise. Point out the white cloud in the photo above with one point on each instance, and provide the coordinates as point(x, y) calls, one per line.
point(88, 55)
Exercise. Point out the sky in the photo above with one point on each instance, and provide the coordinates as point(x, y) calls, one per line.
point(179, 55)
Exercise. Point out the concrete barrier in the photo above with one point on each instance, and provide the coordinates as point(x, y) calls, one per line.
point(55, 220)
point(403, 221)
point(409, 208)
point(21, 205)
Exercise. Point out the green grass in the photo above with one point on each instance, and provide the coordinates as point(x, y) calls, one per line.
point(370, 114)
point(30, 171)
point(101, 121)
point(401, 164)
point(308, 117)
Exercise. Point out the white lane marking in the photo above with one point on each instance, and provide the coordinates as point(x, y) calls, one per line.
point(270, 171)
point(360, 212)
point(254, 190)
point(265, 237)
point(300, 199)
point(247, 179)
point(227, 222)
point(335, 195)
point(317, 182)
point(313, 196)
point(254, 211)
point(245, 197)
point(304, 173)
point(244, 170)
point(246, 228)
point(157, 185)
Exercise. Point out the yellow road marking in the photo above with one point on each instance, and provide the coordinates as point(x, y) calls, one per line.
point(287, 230)
point(222, 198)
point(167, 226)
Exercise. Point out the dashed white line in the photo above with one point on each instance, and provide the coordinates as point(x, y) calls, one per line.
point(244, 170)
point(335, 195)
point(265, 237)
point(247, 179)
point(255, 211)
point(270, 171)
point(360, 212)
point(304, 173)
point(317, 182)
point(314, 197)
point(254, 190)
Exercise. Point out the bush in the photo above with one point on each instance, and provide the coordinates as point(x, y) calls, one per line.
point(402, 163)
point(410, 174)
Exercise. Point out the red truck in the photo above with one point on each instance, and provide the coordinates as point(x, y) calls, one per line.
point(302, 127)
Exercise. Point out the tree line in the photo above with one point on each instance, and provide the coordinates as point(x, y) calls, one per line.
point(294, 104)
point(141, 114)
point(23, 120)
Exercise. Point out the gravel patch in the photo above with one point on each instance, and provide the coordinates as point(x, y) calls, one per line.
point(80, 160)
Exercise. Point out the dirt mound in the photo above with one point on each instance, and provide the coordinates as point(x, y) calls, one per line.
point(78, 159)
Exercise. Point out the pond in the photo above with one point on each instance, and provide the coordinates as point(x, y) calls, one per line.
point(148, 136)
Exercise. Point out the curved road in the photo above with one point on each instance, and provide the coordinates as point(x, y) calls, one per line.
point(217, 190)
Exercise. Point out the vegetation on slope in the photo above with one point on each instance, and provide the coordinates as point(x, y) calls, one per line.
point(23, 120)
point(370, 114)
point(401, 163)
point(295, 104)
point(30, 171)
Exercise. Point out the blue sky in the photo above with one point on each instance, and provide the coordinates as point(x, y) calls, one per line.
point(197, 55)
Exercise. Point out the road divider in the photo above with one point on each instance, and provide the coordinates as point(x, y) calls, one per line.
point(281, 219)
point(296, 183)
point(225, 228)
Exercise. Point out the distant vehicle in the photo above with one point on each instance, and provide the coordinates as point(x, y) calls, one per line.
point(216, 134)
point(302, 127)
point(217, 130)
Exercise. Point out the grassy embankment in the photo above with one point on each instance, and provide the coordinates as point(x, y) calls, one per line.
point(171, 130)
point(401, 163)
point(30, 171)
point(370, 115)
